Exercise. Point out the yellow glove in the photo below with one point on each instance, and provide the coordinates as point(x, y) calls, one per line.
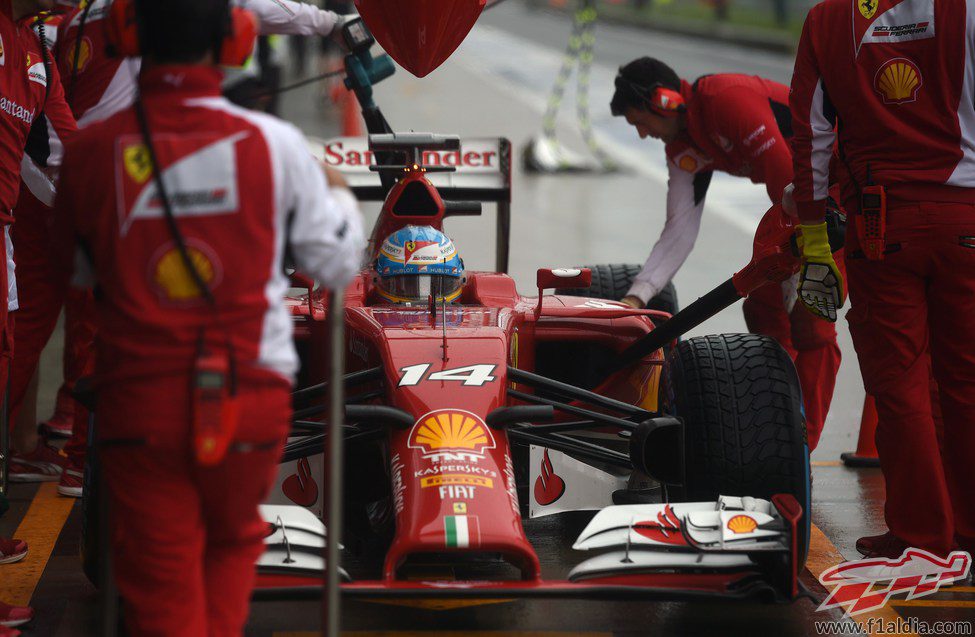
point(821, 288)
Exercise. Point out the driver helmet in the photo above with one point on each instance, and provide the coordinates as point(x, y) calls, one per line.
point(417, 262)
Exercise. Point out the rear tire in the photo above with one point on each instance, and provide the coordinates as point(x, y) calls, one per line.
point(613, 281)
point(744, 431)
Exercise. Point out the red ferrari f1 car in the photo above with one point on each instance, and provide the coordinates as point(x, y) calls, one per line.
point(465, 419)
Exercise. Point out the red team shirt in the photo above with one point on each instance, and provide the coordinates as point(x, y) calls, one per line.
point(737, 124)
point(99, 85)
point(31, 97)
point(906, 112)
point(245, 192)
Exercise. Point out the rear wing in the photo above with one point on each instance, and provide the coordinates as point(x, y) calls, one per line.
point(483, 174)
point(483, 167)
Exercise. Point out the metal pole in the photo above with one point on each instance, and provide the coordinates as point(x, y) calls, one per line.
point(108, 601)
point(336, 409)
point(503, 237)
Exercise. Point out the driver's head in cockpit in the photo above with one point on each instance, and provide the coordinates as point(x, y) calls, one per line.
point(416, 263)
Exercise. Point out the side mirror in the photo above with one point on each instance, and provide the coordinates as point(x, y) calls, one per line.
point(657, 449)
point(548, 278)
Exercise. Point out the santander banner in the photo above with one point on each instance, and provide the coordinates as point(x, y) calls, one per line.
point(481, 162)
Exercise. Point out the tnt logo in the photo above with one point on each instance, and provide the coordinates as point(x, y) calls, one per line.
point(858, 586)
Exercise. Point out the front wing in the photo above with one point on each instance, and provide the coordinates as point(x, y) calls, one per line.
point(734, 547)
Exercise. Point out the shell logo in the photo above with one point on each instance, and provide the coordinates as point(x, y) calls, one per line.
point(172, 277)
point(450, 430)
point(898, 81)
point(79, 54)
point(688, 163)
point(742, 524)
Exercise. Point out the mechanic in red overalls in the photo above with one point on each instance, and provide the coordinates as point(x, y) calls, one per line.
point(194, 351)
point(97, 85)
point(31, 105)
point(901, 95)
point(736, 124)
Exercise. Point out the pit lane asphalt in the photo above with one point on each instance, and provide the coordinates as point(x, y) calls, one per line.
point(497, 84)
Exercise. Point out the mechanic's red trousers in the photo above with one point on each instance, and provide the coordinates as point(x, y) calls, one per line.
point(78, 362)
point(40, 304)
point(810, 342)
point(185, 537)
point(921, 296)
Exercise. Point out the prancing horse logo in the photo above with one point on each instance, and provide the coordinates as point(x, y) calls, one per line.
point(867, 8)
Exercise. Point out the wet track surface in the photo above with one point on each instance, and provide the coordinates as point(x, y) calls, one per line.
point(497, 85)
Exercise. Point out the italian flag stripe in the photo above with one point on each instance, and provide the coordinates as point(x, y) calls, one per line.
point(456, 531)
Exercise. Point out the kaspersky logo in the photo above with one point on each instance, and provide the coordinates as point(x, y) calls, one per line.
point(858, 586)
point(450, 430)
point(898, 81)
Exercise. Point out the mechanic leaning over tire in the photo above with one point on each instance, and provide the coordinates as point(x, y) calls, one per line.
point(906, 140)
point(195, 354)
point(736, 124)
point(96, 85)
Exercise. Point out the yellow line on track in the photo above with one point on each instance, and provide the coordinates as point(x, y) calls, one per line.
point(40, 528)
point(826, 463)
point(824, 555)
point(438, 604)
point(933, 603)
point(448, 633)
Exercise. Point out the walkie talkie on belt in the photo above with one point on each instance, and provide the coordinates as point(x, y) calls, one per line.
point(872, 220)
point(215, 408)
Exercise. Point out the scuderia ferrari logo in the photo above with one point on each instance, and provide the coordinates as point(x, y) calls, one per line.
point(199, 172)
point(867, 7)
point(137, 162)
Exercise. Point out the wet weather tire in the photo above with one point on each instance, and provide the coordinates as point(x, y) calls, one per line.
point(744, 430)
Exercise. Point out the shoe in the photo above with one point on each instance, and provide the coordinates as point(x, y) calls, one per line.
point(58, 426)
point(62, 422)
point(11, 616)
point(12, 551)
point(43, 464)
point(884, 545)
point(72, 483)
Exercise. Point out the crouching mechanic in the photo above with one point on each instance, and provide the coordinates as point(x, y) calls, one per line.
point(194, 354)
point(906, 139)
point(736, 124)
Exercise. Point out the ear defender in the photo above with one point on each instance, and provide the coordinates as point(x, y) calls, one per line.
point(659, 99)
point(237, 47)
point(665, 101)
point(122, 29)
point(122, 33)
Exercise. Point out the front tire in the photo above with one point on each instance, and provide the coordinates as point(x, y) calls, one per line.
point(744, 430)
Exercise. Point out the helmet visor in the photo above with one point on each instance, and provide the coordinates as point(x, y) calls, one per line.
point(417, 288)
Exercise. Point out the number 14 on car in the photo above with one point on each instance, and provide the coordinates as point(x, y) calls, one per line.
point(473, 375)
